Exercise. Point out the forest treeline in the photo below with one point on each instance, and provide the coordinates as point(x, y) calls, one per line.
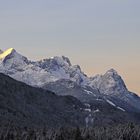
point(117, 132)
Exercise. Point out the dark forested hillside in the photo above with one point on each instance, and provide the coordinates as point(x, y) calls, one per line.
point(28, 106)
point(23, 105)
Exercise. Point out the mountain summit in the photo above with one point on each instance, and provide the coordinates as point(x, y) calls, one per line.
point(6, 53)
point(11, 61)
point(109, 83)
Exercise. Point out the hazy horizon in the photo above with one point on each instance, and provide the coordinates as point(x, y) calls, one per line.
point(96, 34)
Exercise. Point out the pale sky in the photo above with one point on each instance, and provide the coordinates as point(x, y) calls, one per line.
point(96, 34)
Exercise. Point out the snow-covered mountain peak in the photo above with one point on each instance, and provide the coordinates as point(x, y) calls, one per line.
point(62, 60)
point(60, 67)
point(111, 72)
point(54, 63)
point(10, 60)
point(6, 53)
point(113, 78)
point(109, 83)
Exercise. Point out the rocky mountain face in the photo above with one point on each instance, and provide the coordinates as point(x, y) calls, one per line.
point(113, 87)
point(40, 72)
point(109, 83)
point(57, 74)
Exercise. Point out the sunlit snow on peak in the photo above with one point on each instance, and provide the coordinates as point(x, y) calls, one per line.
point(5, 53)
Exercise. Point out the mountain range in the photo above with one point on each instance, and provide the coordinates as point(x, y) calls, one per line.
point(102, 99)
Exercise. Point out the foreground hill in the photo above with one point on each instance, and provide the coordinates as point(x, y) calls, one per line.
point(23, 105)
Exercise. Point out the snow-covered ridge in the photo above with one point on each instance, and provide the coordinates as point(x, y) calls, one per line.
point(39, 73)
point(52, 70)
point(111, 103)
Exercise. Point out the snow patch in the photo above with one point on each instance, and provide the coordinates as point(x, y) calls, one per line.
point(121, 109)
point(99, 99)
point(111, 103)
point(87, 105)
point(88, 92)
point(88, 109)
point(96, 111)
